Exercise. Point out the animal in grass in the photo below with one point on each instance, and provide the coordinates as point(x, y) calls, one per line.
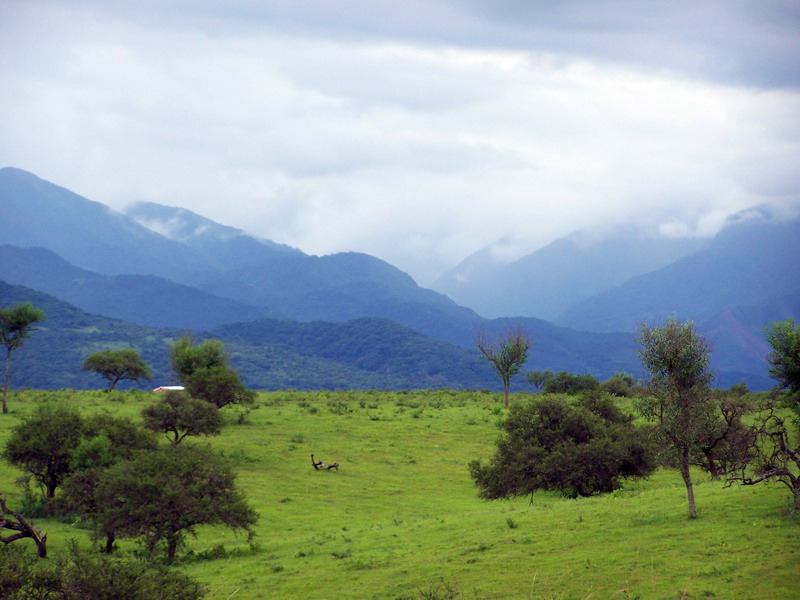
point(319, 465)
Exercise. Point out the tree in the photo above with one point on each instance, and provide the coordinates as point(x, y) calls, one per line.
point(508, 358)
point(186, 358)
point(16, 324)
point(11, 519)
point(784, 359)
point(567, 383)
point(204, 371)
point(80, 575)
point(775, 457)
point(220, 386)
point(163, 494)
point(538, 379)
point(116, 365)
point(42, 443)
point(579, 449)
point(775, 448)
point(679, 401)
point(178, 415)
point(105, 441)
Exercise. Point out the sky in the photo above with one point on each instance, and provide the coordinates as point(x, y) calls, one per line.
point(416, 131)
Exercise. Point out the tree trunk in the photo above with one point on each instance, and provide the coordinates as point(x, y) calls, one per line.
point(109, 544)
point(507, 389)
point(687, 480)
point(172, 546)
point(712, 467)
point(5, 379)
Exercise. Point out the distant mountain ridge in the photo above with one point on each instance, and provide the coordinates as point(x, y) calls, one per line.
point(570, 269)
point(207, 276)
point(748, 262)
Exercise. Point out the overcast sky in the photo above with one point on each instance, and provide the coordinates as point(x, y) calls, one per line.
point(415, 131)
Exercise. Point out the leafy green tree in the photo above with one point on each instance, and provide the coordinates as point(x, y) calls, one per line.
point(784, 359)
point(507, 355)
point(621, 384)
point(106, 440)
point(577, 449)
point(162, 495)
point(204, 371)
point(220, 386)
point(538, 379)
point(567, 383)
point(680, 401)
point(16, 324)
point(178, 415)
point(42, 443)
point(79, 575)
point(187, 358)
point(117, 365)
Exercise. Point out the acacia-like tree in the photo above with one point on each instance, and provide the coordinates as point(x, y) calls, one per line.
point(16, 324)
point(179, 415)
point(42, 443)
point(204, 371)
point(117, 365)
point(507, 355)
point(577, 449)
point(538, 379)
point(679, 399)
point(162, 495)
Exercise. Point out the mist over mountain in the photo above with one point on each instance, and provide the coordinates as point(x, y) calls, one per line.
point(755, 257)
point(168, 267)
point(570, 269)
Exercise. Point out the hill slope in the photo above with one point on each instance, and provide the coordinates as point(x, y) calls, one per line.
point(566, 271)
point(748, 262)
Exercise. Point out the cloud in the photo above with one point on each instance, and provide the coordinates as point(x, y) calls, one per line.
point(417, 132)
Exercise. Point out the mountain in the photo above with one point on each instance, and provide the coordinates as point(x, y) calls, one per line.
point(86, 233)
point(754, 258)
point(219, 245)
point(738, 341)
point(566, 271)
point(218, 260)
point(142, 299)
point(163, 266)
point(362, 354)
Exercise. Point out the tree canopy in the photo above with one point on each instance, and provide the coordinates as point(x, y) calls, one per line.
point(117, 365)
point(784, 359)
point(164, 494)
point(577, 449)
point(178, 415)
point(41, 444)
point(204, 371)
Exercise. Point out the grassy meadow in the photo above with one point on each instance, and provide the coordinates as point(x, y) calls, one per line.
point(401, 519)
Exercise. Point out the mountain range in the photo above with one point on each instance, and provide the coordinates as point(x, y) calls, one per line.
point(169, 271)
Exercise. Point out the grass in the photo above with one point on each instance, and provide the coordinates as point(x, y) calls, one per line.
point(401, 519)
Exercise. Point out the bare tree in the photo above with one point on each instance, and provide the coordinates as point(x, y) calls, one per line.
point(775, 458)
point(507, 354)
point(23, 528)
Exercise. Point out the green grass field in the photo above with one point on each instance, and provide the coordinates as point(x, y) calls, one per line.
point(401, 518)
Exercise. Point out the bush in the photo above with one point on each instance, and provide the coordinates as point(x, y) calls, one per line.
point(578, 449)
